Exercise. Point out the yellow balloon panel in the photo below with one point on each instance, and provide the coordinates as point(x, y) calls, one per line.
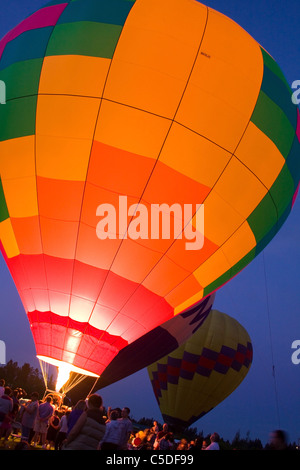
point(74, 75)
point(260, 155)
point(131, 129)
point(224, 83)
point(142, 69)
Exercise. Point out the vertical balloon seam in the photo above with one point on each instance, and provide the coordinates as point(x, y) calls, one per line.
point(284, 214)
point(35, 159)
point(206, 290)
point(172, 121)
point(242, 347)
point(30, 30)
point(254, 251)
point(291, 155)
point(80, 215)
point(121, 241)
point(115, 370)
point(153, 171)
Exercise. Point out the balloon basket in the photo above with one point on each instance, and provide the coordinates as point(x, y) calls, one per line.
point(57, 397)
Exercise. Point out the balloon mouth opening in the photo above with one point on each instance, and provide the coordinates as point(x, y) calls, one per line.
point(64, 371)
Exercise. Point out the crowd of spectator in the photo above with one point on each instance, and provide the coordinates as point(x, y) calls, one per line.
point(48, 424)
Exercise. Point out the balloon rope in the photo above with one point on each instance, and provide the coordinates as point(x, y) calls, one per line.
point(72, 382)
point(270, 333)
point(96, 380)
point(44, 372)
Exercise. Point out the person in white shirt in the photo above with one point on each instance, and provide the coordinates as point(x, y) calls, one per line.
point(214, 439)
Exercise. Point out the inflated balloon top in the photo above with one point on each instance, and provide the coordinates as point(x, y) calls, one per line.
point(123, 114)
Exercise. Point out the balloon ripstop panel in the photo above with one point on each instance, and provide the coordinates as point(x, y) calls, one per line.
point(120, 98)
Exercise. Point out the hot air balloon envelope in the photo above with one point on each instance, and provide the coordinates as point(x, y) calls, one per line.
point(118, 112)
point(157, 343)
point(202, 372)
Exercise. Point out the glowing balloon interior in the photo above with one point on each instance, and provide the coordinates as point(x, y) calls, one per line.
point(161, 101)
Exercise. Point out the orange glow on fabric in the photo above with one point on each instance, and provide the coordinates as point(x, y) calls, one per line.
point(116, 98)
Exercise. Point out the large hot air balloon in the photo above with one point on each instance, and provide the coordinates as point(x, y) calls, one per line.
point(123, 120)
point(202, 372)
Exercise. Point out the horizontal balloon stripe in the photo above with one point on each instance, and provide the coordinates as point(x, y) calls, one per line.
point(74, 290)
point(285, 213)
point(238, 179)
point(280, 94)
point(85, 328)
point(30, 45)
point(260, 155)
point(21, 196)
point(51, 204)
point(70, 117)
point(8, 240)
point(112, 12)
point(17, 157)
point(265, 221)
point(74, 277)
point(242, 263)
point(263, 238)
point(218, 266)
point(204, 364)
point(272, 121)
point(63, 158)
point(47, 16)
point(263, 218)
point(283, 190)
point(202, 372)
point(3, 207)
point(18, 118)
point(108, 165)
point(183, 190)
point(73, 347)
point(218, 282)
point(84, 38)
point(166, 123)
point(22, 78)
point(195, 163)
point(74, 75)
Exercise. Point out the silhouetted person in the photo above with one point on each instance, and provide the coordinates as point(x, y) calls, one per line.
point(278, 440)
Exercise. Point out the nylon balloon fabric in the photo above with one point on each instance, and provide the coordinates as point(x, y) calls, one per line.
point(202, 372)
point(156, 343)
point(163, 103)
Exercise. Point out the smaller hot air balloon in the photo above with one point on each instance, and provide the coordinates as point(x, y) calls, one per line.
point(202, 372)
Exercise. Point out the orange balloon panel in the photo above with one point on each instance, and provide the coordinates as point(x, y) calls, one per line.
point(123, 120)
